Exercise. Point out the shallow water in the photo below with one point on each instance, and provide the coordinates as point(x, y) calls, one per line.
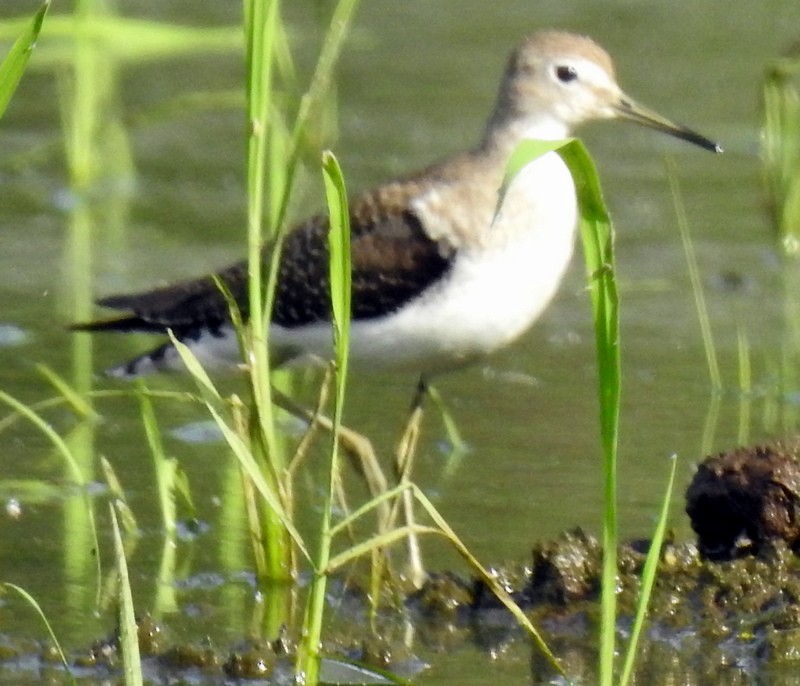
point(416, 81)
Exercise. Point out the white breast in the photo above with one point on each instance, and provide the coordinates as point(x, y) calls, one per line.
point(498, 285)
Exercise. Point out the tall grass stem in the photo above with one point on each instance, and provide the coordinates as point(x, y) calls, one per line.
point(694, 276)
point(308, 660)
point(649, 573)
point(13, 65)
point(128, 632)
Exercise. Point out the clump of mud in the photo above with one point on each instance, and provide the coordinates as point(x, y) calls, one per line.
point(741, 500)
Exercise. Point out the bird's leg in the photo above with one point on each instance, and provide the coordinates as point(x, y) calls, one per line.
point(404, 460)
point(458, 446)
point(406, 447)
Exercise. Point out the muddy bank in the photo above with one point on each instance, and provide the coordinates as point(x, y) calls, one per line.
point(725, 608)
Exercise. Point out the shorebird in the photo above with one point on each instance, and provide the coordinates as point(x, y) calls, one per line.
point(441, 276)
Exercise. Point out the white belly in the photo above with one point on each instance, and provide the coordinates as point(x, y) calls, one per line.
point(492, 294)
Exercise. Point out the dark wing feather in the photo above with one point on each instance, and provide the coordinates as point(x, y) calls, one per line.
point(393, 261)
point(183, 307)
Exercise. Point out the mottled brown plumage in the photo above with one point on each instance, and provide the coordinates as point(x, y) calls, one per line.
point(442, 276)
point(392, 261)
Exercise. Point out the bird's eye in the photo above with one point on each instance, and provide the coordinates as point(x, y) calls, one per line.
point(566, 73)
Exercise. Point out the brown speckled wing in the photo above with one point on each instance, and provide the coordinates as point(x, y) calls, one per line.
point(392, 257)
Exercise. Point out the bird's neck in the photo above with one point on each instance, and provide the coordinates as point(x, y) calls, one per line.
point(506, 130)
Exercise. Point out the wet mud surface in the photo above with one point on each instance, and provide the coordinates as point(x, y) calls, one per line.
point(725, 608)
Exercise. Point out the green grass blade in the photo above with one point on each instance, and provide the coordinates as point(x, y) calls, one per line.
point(251, 468)
point(128, 632)
point(780, 147)
point(125, 40)
point(442, 528)
point(261, 20)
point(117, 492)
point(208, 391)
point(496, 587)
point(694, 276)
point(215, 404)
point(265, 40)
point(597, 237)
point(458, 446)
point(31, 491)
point(262, 29)
point(320, 84)
point(745, 386)
point(380, 541)
point(13, 66)
point(168, 476)
point(73, 398)
point(340, 276)
point(166, 469)
point(648, 577)
point(32, 602)
point(44, 426)
point(368, 506)
point(308, 660)
point(525, 153)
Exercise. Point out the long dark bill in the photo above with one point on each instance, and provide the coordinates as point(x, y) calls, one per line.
point(629, 109)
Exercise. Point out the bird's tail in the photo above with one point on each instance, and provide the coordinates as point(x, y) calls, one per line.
point(130, 323)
